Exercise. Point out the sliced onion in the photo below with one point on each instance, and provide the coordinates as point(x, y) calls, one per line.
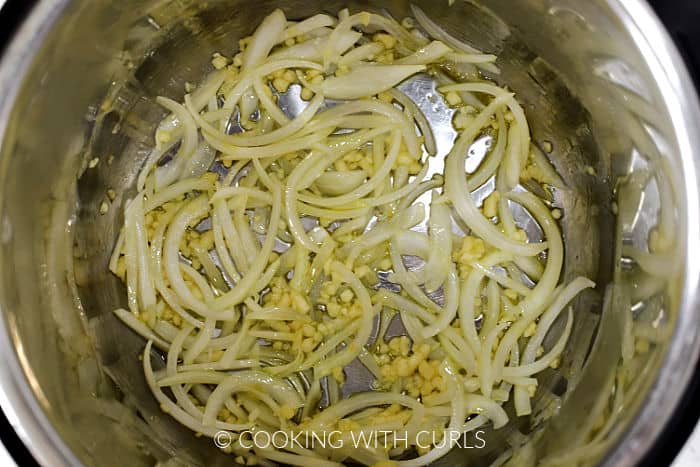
point(363, 52)
point(440, 34)
point(266, 36)
point(367, 80)
point(167, 174)
point(315, 22)
point(313, 48)
point(338, 183)
point(429, 54)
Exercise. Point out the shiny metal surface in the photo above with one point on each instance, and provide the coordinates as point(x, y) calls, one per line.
point(681, 100)
point(689, 456)
point(600, 82)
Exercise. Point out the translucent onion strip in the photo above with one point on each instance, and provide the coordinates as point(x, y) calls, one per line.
point(367, 80)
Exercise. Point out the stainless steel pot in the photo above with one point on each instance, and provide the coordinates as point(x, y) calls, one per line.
point(609, 99)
